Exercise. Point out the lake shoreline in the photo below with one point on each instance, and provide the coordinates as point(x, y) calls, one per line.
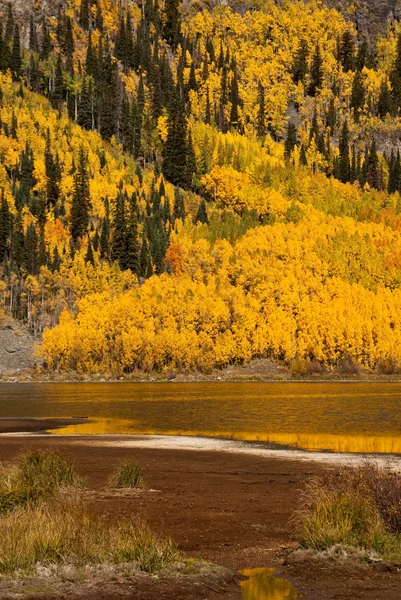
point(230, 508)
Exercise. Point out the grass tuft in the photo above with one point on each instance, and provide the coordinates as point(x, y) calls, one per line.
point(355, 508)
point(35, 475)
point(128, 475)
point(60, 532)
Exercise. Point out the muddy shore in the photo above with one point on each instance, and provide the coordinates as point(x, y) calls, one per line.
point(231, 508)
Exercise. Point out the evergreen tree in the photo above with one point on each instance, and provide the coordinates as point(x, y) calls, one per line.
point(84, 14)
point(344, 167)
point(118, 248)
point(384, 104)
point(395, 78)
point(347, 51)
point(105, 233)
point(179, 207)
point(30, 253)
point(172, 22)
point(175, 148)
point(81, 202)
point(201, 215)
point(291, 140)
point(9, 24)
point(358, 94)
point(132, 250)
point(46, 42)
point(261, 123)
point(89, 257)
point(15, 60)
point(53, 175)
point(316, 73)
point(5, 222)
point(373, 175)
point(300, 66)
point(235, 100)
point(33, 38)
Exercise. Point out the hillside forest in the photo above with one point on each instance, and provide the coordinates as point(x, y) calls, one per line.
point(189, 188)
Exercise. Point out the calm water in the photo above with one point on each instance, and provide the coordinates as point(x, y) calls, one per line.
point(348, 417)
point(262, 585)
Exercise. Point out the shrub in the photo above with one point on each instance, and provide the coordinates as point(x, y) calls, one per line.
point(354, 507)
point(128, 475)
point(388, 366)
point(59, 532)
point(347, 366)
point(303, 367)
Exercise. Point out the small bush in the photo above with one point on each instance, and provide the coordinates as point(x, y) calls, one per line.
point(355, 507)
point(128, 475)
point(303, 367)
point(59, 532)
point(347, 366)
point(388, 366)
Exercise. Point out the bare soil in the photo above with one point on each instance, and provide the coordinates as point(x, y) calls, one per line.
point(229, 508)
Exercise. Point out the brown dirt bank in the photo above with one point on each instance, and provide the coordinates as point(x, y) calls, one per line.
point(231, 509)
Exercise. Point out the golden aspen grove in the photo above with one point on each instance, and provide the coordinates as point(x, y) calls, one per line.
point(190, 188)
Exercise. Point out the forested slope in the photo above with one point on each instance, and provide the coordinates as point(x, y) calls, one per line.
point(189, 188)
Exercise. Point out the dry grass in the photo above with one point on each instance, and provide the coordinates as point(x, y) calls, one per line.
point(128, 475)
point(34, 476)
point(357, 508)
point(64, 532)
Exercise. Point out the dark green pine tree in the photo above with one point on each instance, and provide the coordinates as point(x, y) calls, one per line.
point(91, 60)
point(235, 100)
point(120, 45)
point(384, 104)
point(190, 164)
point(33, 38)
point(344, 167)
point(127, 130)
point(261, 122)
point(84, 14)
point(15, 60)
point(86, 115)
point(145, 263)
point(53, 175)
point(175, 147)
point(17, 241)
point(89, 257)
point(47, 46)
point(300, 65)
point(362, 59)
point(373, 174)
point(208, 111)
point(9, 24)
point(56, 262)
point(110, 97)
point(358, 95)
point(291, 140)
point(105, 233)
point(172, 22)
point(69, 46)
point(4, 52)
point(354, 167)
point(118, 230)
point(99, 21)
point(201, 215)
point(179, 207)
point(303, 159)
point(30, 250)
point(5, 223)
point(347, 51)
point(192, 82)
point(394, 182)
point(132, 249)
point(395, 78)
point(81, 202)
point(316, 73)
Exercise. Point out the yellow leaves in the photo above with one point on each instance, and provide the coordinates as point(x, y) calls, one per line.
point(162, 127)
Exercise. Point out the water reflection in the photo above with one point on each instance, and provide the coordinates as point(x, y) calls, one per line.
point(262, 585)
point(340, 417)
point(314, 442)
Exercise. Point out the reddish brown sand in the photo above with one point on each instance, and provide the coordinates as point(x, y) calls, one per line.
point(231, 509)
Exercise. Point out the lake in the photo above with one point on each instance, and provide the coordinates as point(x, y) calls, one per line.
point(340, 417)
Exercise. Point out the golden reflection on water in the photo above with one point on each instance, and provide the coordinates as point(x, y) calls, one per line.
point(307, 441)
point(262, 585)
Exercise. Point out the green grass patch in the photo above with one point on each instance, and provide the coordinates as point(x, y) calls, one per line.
point(355, 509)
point(128, 475)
